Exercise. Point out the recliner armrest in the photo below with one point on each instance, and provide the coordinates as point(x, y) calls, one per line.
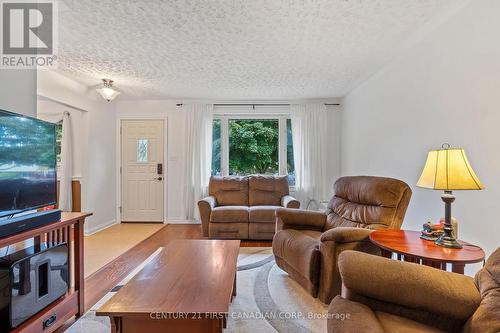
point(346, 235)
point(287, 218)
point(408, 285)
point(290, 202)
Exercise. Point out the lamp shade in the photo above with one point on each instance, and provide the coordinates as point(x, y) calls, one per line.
point(108, 94)
point(107, 91)
point(449, 169)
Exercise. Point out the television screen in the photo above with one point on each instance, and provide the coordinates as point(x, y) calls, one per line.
point(27, 163)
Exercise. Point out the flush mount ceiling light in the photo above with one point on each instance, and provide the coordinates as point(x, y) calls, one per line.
point(107, 91)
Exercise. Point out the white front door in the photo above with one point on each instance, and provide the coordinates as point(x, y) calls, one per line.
point(142, 167)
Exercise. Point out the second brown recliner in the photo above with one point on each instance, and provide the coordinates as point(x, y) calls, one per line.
point(407, 297)
point(307, 244)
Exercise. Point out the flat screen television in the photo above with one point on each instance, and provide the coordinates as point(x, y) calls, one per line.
point(27, 163)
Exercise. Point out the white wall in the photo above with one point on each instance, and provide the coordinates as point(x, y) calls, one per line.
point(18, 91)
point(443, 89)
point(99, 167)
point(175, 161)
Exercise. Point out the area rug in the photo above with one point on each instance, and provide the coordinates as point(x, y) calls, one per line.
point(267, 300)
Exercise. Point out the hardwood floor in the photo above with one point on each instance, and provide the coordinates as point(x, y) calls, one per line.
point(102, 281)
point(106, 245)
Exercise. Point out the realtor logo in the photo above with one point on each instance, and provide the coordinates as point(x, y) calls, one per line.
point(28, 34)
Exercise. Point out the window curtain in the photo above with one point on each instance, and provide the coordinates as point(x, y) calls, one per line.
point(65, 172)
point(309, 136)
point(198, 139)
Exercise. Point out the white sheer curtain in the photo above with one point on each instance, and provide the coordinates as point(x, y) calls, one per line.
point(65, 173)
point(309, 135)
point(198, 139)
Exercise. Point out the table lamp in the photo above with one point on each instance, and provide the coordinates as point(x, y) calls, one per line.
point(448, 169)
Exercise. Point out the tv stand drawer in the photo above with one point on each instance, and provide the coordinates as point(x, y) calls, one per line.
point(57, 313)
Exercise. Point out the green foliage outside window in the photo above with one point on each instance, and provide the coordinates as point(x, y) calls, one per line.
point(58, 141)
point(290, 167)
point(253, 147)
point(216, 148)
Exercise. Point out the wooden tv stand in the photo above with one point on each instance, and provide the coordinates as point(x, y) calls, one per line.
point(69, 230)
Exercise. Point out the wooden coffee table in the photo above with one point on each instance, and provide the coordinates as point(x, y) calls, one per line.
point(186, 288)
point(410, 247)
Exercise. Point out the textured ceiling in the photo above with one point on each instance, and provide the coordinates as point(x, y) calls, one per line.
point(235, 49)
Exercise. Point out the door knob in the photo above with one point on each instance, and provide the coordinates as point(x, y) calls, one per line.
point(159, 178)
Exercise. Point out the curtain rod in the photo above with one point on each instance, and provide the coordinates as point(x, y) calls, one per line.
point(258, 104)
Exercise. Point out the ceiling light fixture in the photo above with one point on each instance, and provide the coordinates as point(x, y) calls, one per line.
point(107, 91)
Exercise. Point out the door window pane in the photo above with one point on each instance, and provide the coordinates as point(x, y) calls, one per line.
point(290, 168)
point(216, 148)
point(142, 151)
point(253, 146)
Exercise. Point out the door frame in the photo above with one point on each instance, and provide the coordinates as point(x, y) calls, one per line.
point(119, 120)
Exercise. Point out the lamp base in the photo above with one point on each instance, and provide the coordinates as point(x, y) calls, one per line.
point(448, 241)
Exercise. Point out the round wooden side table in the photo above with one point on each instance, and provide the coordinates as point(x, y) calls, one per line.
point(408, 246)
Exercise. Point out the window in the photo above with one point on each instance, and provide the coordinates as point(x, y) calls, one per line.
point(290, 168)
point(216, 148)
point(142, 151)
point(58, 141)
point(259, 145)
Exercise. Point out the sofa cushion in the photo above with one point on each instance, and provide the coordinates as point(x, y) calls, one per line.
point(369, 202)
point(264, 214)
point(229, 214)
point(229, 191)
point(346, 316)
point(487, 316)
point(267, 190)
point(363, 319)
point(300, 250)
point(264, 231)
point(396, 324)
point(230, 230)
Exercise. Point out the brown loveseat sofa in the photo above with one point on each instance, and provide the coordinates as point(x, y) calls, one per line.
point(383, 295)
point(244, 207)
point(307, 244)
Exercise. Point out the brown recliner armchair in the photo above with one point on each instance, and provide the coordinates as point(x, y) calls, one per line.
point(244, 207)
point(381, 295)
point(306, 244)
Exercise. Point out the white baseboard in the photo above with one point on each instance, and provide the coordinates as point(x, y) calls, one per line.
point(175, 220)
point(93, 230)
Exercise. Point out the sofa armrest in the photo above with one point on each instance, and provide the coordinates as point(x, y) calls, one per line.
point(408, 285)
point(290, 202)
point(346, 235)
point(210, 200)
point(205, 206)
point(287, 218)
